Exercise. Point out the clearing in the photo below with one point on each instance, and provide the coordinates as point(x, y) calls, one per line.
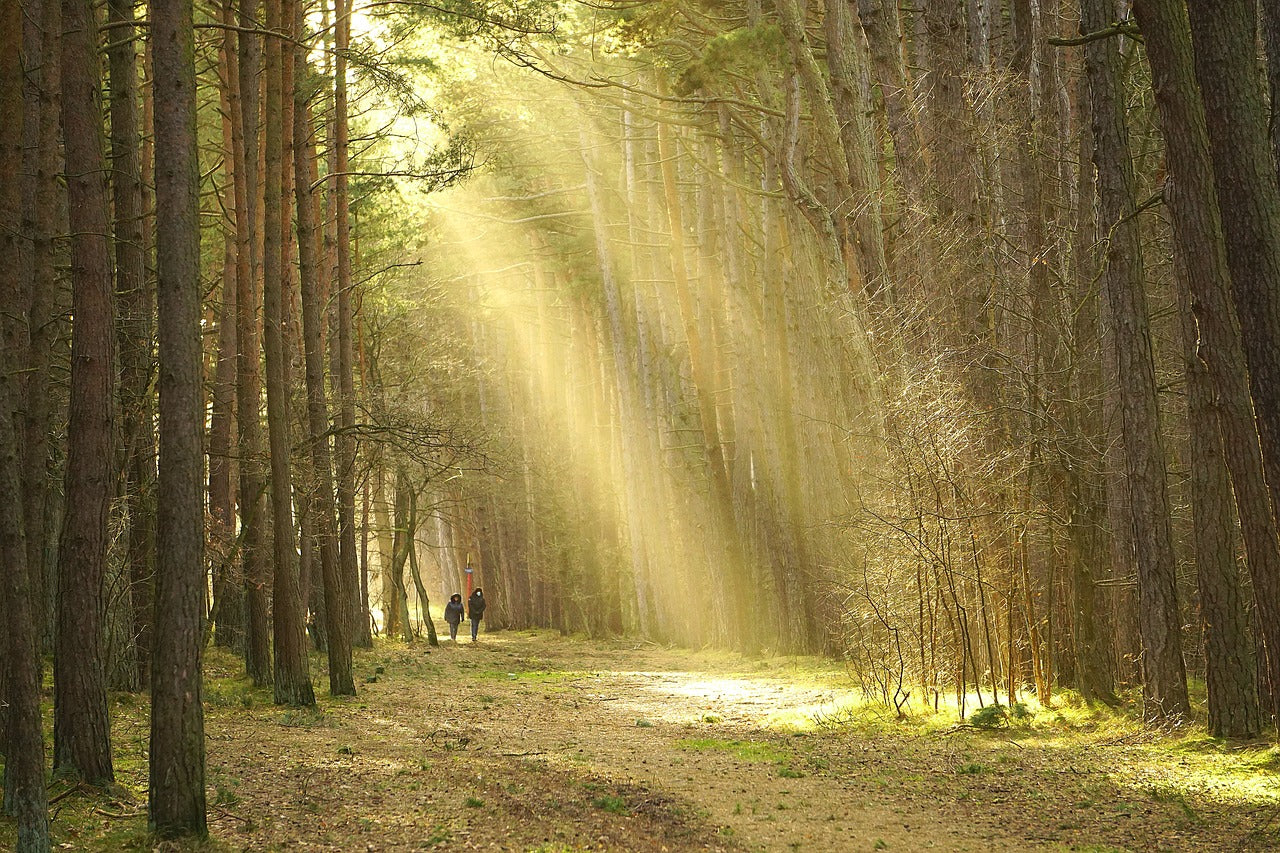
point(527, 741)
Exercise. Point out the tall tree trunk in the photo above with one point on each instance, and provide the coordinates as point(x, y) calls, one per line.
point(880, 23)
point(134, 330)
point(1081, 490)
point(177, 756)
point(731, 593)
point(45, 300)
point(226, 588)
point(1230, 669)
point(391, 614)
point(346, 442)
point(1163, 672)
point(336, 616)
point(845, 54)
point(1249, 201)
point(253, 511)
point(1215, 338)
point(22, 733)
point(401, 544)
point(292, 682)
point(81, 731)
point(424, 602)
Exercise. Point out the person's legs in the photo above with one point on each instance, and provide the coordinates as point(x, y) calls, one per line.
point(475, 629)
point(453, 630)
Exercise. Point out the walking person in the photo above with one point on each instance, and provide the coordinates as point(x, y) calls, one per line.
point(453, 615)
point(475, 611)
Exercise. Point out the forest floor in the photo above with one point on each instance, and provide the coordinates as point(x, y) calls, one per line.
point(532, 742)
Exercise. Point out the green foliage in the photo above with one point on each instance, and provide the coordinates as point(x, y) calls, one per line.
point(747, 750)
point(225, 795)
point(990, 717)
point(232, 693)
point(611, 804)
point(745, 51)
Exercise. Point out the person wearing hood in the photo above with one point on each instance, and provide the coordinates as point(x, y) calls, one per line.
point(453, 615)
point(475, 611)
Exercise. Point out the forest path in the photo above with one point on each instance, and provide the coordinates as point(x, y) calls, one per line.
point(531, 742)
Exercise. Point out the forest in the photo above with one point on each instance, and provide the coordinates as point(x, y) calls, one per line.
point(923, 353)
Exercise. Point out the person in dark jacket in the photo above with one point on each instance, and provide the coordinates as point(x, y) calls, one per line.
point(453, 615)
point(475, 611)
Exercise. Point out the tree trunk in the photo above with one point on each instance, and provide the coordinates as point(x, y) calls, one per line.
point(227, 586)
point(134, 330)
point(46, 303)
point(401, 545)
point(346, 442)
point(253, 510)
point(21, 730)
point(731, 594)
point(292, 682)
point(1159, 620)
point(337, 623)
point(177, 755)
point(81, 733)
point(1230, 669)
point(844, 54)
point(1214, 336)
point(391, 614)
point(424, 602)
point(1249, 201)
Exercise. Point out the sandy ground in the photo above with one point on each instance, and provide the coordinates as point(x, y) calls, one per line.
point(531, 742)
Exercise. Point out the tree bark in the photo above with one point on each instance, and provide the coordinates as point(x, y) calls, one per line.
point(1163, 672)
point(227, 587)
point(424, 602)
point(401, 544)
point(176, 805)
point(345, 443)
point(844, 54)
point(1249, 200)
point(1214, 345)
point(337, 623)
point(730, 593)
point(253, 510)
point(292, 682)
point(45, 301)
point(22, 734)
point(1230, 669)
point(82, 736)
point(391, 613)
point(134, 330)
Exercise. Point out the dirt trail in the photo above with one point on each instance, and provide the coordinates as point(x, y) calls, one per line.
point(533, 743)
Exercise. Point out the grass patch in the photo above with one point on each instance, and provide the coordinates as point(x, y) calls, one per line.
point(611, 804)
point(747, 750)
point(533, 676)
